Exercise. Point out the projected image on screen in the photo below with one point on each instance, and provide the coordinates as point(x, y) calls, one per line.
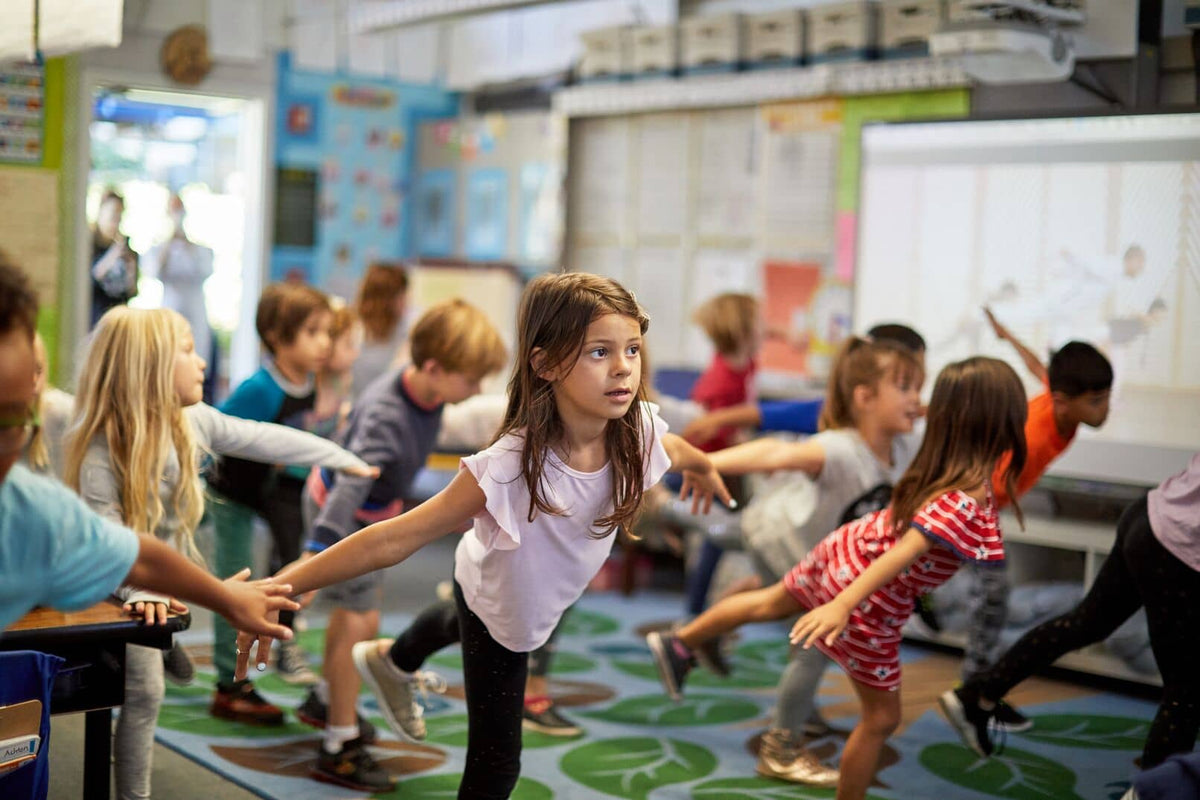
point(1083, 229)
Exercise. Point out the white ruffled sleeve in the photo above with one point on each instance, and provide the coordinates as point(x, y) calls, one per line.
point(658, 463)
point(497, 470)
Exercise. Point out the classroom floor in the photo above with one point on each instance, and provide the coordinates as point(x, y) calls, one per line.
point(639, 744)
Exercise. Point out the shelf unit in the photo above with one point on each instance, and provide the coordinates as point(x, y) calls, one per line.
point(1094, 540)
point(763, 86)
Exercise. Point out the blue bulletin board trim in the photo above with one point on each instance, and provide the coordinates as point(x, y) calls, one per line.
point(434, 213)
point(487, 215)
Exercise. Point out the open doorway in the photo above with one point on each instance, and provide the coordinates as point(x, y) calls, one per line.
point(186, 167)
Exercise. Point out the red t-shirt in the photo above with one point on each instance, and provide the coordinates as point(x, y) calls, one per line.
point(1042, 441)
point(721, 386)
point(869, 649)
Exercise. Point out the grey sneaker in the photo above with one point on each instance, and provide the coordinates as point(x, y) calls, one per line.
point(178, 666)
point(781, 756)
point(292, 665)
point(395, 690)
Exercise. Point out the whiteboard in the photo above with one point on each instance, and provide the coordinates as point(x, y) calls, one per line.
point(1069, 229)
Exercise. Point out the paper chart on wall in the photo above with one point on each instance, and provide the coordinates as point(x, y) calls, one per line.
point(29, 225)
point(662, 148)
point(725, 202)
point(602, 260)
point(601, 178)
point(800, 171)
point(659, 282)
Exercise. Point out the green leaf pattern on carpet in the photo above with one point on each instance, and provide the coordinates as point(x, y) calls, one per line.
point(445, 787)
point(760, 789)
point(695, 709)
point(1089, 731)
point(633, 767)
point(1013, 774)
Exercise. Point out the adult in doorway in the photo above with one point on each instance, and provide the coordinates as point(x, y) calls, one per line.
point(182, 266)
point(114, 263)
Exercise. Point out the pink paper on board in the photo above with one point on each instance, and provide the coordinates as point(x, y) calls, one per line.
point(847, 225)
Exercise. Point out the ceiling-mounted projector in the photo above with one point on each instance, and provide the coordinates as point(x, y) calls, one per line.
point(1006, 51)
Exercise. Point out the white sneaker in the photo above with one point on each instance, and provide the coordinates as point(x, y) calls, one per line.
point(395, 690)
point(292, 665)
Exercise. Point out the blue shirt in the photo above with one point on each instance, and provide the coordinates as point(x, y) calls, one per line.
point(54, 550)
point(793, 416)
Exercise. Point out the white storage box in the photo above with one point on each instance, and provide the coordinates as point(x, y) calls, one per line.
point(606, 54)
point(905, 26)
point(842, 31)
point(775, 38)
point(655, 50)
point(711, 44)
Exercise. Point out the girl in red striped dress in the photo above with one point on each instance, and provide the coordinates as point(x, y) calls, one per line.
point(858, 585)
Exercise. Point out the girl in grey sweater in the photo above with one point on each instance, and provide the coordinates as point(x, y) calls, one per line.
point(133, 452)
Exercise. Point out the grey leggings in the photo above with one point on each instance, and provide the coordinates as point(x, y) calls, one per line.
point(798, 689)
point(133, 740)
point(988, 613)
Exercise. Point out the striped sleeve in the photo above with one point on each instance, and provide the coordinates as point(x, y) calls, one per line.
point(956, 522)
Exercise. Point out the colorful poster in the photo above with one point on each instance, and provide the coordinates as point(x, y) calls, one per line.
point(788, 291)
point(22, 97)
point(487, 214)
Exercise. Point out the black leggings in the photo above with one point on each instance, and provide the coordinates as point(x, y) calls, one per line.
point(1139, 571)
point(283, 511)
point(494, 680)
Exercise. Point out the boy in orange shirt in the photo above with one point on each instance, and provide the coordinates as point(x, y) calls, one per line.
point(1077, 382)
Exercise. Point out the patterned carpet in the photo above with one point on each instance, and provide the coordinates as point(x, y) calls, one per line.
point(641, 745)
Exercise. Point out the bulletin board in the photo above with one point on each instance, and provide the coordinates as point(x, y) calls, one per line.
point(491, 189)
point(680, 206)
point(29, 227)
point(344, 159)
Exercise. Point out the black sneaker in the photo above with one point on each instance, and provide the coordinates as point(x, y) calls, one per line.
point(313, 712)
point(542, 715)
point(961, 709)
point(711, 655)
point(353, 768)
point(674, 661)
point(178, 666)
point(1012, 719)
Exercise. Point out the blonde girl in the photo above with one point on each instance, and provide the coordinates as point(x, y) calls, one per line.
point(577, 450)
point(139, 423)
point(859, 583)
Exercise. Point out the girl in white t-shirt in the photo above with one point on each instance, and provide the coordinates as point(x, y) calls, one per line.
point(578, 448)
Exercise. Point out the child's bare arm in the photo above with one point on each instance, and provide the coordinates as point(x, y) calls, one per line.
point(700, 478)
point(1032, 362)
point(769, 455)
point(828, 621)
point(391, 541)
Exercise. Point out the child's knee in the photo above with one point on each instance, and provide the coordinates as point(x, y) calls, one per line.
point(882, 720)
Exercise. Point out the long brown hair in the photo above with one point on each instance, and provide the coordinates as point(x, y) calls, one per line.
point(555, 313)
point(976, 415)
point(864, 362)
point(376, 303)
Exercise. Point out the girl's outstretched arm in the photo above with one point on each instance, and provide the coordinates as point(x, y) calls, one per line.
point(377, 546)
point(700, 478)
point(828, 621)
point(769, 455)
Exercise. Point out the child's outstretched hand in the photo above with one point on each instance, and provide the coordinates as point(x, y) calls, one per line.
point(1002, 332)
point(153, 608)
point(361, 472)
point(702, 485)
point(255, 605)
point(823, 623)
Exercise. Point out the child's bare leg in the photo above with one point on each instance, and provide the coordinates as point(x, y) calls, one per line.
point(761, 605)
point(346, 629)
point(879, 720)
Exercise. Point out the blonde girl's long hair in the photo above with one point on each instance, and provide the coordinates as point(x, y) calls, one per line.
point(864, 362)
point(38, 451)
point(976, 415)
point(556, 310)
point(126, 393)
